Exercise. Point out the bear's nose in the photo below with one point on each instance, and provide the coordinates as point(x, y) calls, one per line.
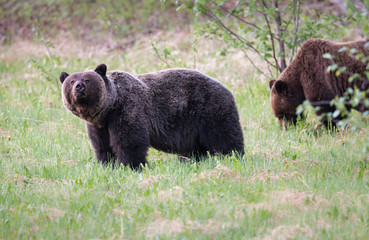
point(80, 87)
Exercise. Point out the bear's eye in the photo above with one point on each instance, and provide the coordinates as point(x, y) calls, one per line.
point(72, 81)
point(87, 81)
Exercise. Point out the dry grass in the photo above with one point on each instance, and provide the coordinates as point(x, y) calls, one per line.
point(165, 227)
point(301, 200)
point(151, 180)
point(5, 134)
point(173, 194)
point(54, 213)
point(219, 172)
point(23, 181)
point(268, 177)
point(288, 232)
point(64, 46)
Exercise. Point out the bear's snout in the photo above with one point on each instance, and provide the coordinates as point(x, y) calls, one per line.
point(80, 87)
point(79, 90)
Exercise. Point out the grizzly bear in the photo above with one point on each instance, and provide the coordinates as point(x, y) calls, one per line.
point(176, 110)
point(308, 78)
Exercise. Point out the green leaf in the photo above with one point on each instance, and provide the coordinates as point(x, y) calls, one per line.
point(342, 49)
point(361, 173)
point(332, 68)
point(353, 77)
point(341, 70)
point(328, 56)
point(299, 110)
point(336, 113)
point(366, 45)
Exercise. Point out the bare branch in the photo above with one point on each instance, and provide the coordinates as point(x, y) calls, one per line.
point(270, 34)
point(297, 20)
point(280, 33)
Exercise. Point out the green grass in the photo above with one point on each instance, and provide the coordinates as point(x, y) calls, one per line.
point(298, 184)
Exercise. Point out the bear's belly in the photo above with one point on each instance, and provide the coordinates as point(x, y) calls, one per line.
point(182, 142)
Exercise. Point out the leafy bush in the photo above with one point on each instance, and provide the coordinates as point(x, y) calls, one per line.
point(271, 29)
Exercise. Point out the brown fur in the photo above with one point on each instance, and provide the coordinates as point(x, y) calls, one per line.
point(306, 78)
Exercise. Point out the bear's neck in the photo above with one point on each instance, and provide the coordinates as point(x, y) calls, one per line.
point(292, 76)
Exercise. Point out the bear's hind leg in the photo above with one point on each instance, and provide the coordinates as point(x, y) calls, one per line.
point(223, 137)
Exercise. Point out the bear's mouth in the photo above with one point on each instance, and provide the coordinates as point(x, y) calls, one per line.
point(80, 94)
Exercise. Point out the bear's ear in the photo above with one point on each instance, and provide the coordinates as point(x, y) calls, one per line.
point(101, 70)
point(271, 82)
point(63, 76)
point(281, 87)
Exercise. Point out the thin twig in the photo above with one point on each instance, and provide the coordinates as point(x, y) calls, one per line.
point(241, 19)
point(243, 40)
point(270, 71)
point(253, 64)
point(289, 21)
point(212, 16)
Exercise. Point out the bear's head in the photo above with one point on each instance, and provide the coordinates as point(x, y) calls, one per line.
point(284, 100)
point(83, 93)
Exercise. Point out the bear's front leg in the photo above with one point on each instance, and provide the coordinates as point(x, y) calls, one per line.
point(100, 142)
point(129, 141)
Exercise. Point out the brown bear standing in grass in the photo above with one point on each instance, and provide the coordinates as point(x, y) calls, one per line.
point(176, 111)
point(307, 78)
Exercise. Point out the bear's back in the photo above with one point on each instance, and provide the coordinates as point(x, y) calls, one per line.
point(177, 79)
point(177, 90)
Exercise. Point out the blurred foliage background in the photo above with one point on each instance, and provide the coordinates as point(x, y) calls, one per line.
point(88, 20)
point(271, 29)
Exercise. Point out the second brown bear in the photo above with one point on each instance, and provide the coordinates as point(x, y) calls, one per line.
point(308, 78)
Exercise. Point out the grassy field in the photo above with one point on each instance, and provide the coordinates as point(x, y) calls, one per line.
point(296, 184)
